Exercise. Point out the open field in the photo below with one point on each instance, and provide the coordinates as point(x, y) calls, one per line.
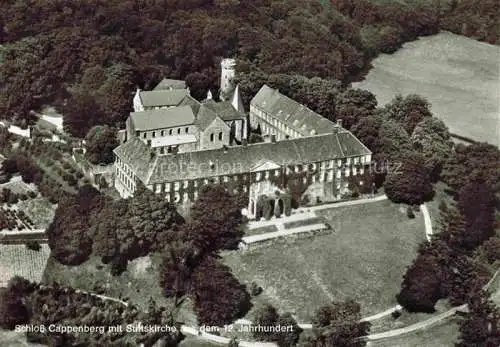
point(21, 261)
point(458, 75)
point(363, 258)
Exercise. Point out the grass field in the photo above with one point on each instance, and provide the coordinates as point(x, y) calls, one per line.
point(458, 75)
point(21, 261)
point(444, 335)
point(363, 258)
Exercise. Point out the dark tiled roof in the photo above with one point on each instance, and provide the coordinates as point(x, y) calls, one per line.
point(205, 117)
point(224, 109)
point(138, 156)
point(167, 83)
point(192, 102)
point(297, 116)
point(158, 98)
point(162, 118)
point(238, 159)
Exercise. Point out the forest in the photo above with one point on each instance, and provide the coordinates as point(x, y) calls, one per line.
point(86, 57)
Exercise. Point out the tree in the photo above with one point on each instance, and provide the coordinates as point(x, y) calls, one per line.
point(478, 161)
point(216, 220)
point(265, 316)
point(13, 310)
point(81, 112)
point(432, 138)
point(218, 296)
point(392, 140)
point(179, 260)
point(481, 325)
point(408, 111)
point(477, 204)
point(100, 143)
point(409, 182)
point(127, 229)
point(421, 286)
point(489, 251)
point(68, 233)
point(288, 338)
point(354, 105)
point(338, 324)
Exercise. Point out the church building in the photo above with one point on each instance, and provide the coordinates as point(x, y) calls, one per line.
point(175, 145)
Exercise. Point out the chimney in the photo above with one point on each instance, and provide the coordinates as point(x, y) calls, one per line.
point(339, 123)
point(273, 138)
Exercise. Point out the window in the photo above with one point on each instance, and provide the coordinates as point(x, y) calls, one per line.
point(226, 179)
point(266, 175)
point(162, 150)
point(347, 172)
point(178, 130)
point(162, 133)
point(339, 163)
point(186, 184)
point(170, 132)
point(356, 160)
point(220, 136)
point(137, 133)
point(258, 176)
point(144, 135)
point(187, 130)
point(212, 137)
point(149, 143)
point(338, 174)
point(354, 171)
point(153, 134)
point(176, 186)
point(276, 173)
point(157, 188)
point(330, 175)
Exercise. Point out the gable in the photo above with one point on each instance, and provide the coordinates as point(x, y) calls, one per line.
point(265, 166)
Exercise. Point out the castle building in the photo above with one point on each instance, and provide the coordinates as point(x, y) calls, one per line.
point(175, 150)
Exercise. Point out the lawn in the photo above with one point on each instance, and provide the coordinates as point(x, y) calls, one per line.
point(21, 261)
point(444, 335)
point(459, 76)
point(364, 258)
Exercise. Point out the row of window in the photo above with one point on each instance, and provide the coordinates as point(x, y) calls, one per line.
point(324, 176)
point(162, 133)
point(125, 179)
point(220, 136)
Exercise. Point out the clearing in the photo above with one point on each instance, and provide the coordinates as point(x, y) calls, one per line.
point(459, 76)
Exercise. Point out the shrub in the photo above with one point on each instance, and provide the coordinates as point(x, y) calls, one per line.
point(33, 245)
point(410, 213)
point(255, 289)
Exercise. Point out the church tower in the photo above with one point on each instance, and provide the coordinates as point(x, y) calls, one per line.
point(228, 72)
